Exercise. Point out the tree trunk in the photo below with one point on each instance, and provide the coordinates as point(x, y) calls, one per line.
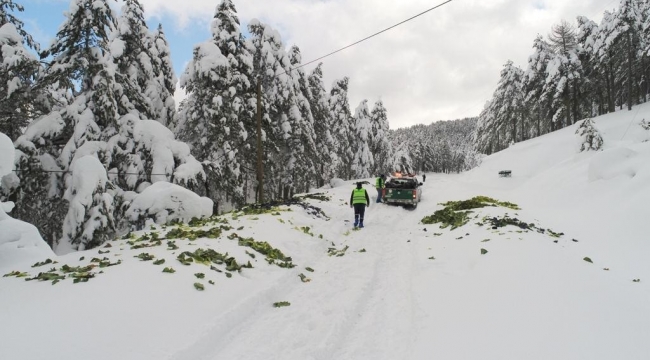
point(630, 58)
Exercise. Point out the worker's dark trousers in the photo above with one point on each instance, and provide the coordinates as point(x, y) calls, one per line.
point(359, 211)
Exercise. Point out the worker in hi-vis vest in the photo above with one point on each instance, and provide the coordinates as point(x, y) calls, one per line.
point(380, 184)
point(359, 200)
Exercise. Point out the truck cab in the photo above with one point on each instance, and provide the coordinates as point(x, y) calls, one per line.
point(403, 190)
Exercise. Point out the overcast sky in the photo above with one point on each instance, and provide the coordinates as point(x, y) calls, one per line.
point(443, 65)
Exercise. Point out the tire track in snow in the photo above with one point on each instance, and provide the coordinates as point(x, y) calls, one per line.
point(384, 329)
point(336, 293)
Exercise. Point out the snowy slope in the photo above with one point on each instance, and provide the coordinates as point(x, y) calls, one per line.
point(401, 289)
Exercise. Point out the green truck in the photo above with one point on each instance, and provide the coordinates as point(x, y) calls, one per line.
point(403, 190)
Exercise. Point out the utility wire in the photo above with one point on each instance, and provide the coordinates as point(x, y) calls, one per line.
point(367, 38)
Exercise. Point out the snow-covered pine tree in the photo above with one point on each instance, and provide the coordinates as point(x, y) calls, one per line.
point(401, 158)
point(216, 119)
point(137, 152)
point(593, 87)
point(340, 126)
point(624, 36)
point(162, 90)
point(325, 145)
point(19, 69)
point(380, 144)
point(89, 221)
point(282, 126)
point(590, 138)
point(79, 66)
point(129, 47)
point(507, 106)
point(307, 166)
point(537, 105)
point(363, 160)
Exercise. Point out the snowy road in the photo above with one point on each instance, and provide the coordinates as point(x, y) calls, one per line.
point(401, 290)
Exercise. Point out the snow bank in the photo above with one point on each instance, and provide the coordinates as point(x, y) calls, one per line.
point(91, 208)
point(336, 182)
point(164, 202)
point(6, 155)
point(19, 241)
point(614, 163)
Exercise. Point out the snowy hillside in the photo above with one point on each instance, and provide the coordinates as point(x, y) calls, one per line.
point(561, 285)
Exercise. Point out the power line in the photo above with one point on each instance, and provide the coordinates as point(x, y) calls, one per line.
point(367, 38)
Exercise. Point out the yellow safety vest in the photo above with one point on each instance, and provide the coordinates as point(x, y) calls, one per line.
point(379, 183)
point(359, 196)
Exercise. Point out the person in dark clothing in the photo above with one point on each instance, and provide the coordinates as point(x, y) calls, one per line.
point(359, 200)
point(424, 177)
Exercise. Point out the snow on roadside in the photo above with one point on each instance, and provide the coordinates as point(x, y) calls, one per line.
point(397, 289)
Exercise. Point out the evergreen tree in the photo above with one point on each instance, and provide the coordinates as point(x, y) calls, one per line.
point(19, 69)
point(216, 119)
point(325, 145)
point(340, 127)
point(363, 161)
point(537, 105)
point(133, 57)
point(307, 167)
point(380, 145)
point(164, 85)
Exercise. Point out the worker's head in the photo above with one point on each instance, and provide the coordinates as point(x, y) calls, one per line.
point(359, 185)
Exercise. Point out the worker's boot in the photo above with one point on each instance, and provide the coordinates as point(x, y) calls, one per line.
point(356, 221)
point(361, 224)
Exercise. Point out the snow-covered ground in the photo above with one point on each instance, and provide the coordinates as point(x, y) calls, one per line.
point(399, 290)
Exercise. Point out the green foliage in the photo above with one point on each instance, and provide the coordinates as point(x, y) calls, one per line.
point(171, 245)
point(483, 251)
point(81, 277)
point(636, 280)
point(169, 270)
point(587, 259)
point(159, 262)
point(309, 269)
point(103, 252)
point(48, 261)
point(506, 220)
point(306, 230)
point(338, 253)
point(304, 278)
point(179, 233)
point(486, 240)
point(199, 286)
point(432, 258)
point(210, 282)
point(263, 248)
point(17, 274)
point(455, 213)
point(66, 269)
point(48, 276)
point(362, 250)
point(478, 202)
point(200, 275)
point(281, 304)
point(448, 217)
point(208, 257)
point(145, 257)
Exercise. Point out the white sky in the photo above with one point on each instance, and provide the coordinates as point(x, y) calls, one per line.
point(441, 66)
